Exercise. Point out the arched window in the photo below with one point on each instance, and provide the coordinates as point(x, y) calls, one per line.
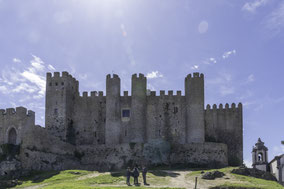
point(260, 157)
point(12, 136)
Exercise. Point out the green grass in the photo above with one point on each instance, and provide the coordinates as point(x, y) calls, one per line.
point(224, 170)
point(70, 179)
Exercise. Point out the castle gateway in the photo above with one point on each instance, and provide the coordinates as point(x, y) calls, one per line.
point(112, 131)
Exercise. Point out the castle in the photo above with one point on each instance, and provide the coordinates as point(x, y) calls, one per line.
point(111, 131)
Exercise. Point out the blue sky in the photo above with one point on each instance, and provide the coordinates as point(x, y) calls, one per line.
point(238, 45)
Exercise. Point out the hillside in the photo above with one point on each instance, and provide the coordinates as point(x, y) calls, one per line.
point(156, 179)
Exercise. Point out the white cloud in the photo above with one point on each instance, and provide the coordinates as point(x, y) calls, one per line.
point(50, 67)
point(194, 67)
point(250, 78)
point(16, 60)
point(210, 60)
point(154, 74)
point(252, 6)
point(248, 163)
point(30, 80)
point(229, 53)
point(3, 89)
point(275, 21)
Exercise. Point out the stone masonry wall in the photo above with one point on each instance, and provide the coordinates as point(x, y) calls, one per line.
point(224, 125)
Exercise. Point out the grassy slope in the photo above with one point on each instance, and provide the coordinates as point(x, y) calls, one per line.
point(157, 179)
point(239, 181)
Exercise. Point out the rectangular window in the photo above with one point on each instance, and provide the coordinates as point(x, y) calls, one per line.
point(125, 113)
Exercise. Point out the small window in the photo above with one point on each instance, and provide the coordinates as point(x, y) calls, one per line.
point(50, 84)
point(56, 84)
point(62, 83)
point(125, 113)
point(175, 110)
point(159, 132)
point(95, 134)
point(55, 111)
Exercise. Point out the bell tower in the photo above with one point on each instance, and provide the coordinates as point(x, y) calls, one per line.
point(259, 156)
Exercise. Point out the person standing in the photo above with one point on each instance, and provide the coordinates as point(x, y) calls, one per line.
point(128, 175)
point(136, 175)
point(144, 172)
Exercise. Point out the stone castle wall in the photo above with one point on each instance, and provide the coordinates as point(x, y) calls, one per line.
point(91, 131)
point(225, 125)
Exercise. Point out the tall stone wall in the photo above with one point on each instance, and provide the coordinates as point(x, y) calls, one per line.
point(224, 125)
point(165, 117)
point(90, 118)
point(138, 108)
point(61, 92)
point(194, 93)
point(113, 110)
point(19, 121)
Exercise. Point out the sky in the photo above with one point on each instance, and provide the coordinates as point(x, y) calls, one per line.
point(238, 45)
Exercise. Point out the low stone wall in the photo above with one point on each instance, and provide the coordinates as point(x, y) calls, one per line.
point(112, 157)
point(154, 153)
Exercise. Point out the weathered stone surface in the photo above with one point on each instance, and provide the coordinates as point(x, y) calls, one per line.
point(254, 173)
point(212, 175)
point(91, 132)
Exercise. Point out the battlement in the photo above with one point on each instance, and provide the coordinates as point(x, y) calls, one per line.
point(140, 76)
point(195, 75)
point(163, 93)
point(221, 107)
point(56, 75)
point(114, 76)
point(85, 94)
point(19, 111)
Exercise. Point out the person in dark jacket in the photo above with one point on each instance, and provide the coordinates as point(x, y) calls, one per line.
point(144, 172)
point(128, 175)
point(136, 175)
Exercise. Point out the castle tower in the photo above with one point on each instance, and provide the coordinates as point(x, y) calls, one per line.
point(138, 108)
point(259, 156)
point(113, 117)
point(194, 93)
point(61, 92)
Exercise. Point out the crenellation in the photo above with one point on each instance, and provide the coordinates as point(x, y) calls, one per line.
point(178, 93)
point(48, 75)
point(101, 93)
point(21, 111)
point(125, 93)
point(152, 93)
point(208, 107)
point(10, 111)
point(227, 106)
point(85, 94)
point(56, 74)
point(94, 93)
point(142, 117)
point(66, 74)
